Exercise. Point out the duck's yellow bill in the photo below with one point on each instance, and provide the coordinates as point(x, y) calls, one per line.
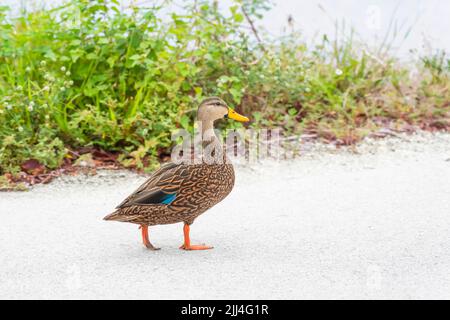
point(236, 116)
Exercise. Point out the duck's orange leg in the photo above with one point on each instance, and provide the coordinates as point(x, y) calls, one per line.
point(187, 241)
point(145, 240)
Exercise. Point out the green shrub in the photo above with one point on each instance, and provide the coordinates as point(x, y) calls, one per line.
point(88, 74)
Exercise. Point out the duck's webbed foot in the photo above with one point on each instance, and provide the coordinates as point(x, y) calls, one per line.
point(145, 239)
point(187, 241)
point(195, 247)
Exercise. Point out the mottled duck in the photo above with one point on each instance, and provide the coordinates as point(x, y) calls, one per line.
point(180, 192)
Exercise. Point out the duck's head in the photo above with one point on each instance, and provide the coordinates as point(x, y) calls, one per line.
point(214, 108)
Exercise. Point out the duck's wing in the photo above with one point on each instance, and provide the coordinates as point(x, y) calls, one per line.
point(160, 188)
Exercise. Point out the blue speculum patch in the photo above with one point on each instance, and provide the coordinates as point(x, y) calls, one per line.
point(169, 198)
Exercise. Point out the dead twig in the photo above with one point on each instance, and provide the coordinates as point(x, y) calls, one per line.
point(252, 26)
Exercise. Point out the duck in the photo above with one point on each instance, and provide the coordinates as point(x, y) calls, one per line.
point(181, 191)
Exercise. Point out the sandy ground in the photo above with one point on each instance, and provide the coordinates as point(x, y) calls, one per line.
point(331, 224)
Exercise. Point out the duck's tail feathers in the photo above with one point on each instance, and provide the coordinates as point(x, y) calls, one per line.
point(118, 216)
point(112, 216)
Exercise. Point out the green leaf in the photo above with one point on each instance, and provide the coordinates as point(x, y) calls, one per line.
point(185, 121)
point(75, 43)
point(111, 61)
point(103, 41)
point(49, 54)
point(92, 56)
point(238, 17)
point(292, 111)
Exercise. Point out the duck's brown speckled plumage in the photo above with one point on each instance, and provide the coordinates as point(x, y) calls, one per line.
point(198, 187)
point(181, 192)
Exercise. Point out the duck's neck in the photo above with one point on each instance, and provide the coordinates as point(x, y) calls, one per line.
point(213, 151)
point(208, 134)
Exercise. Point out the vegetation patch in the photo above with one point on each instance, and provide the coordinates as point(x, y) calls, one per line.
point(87, 77)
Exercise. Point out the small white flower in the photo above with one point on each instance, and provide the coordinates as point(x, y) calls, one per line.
point(19, 88)
point(307, 89)
point(30, 107)
point(63, 88)
point(63, 69)
point(1, 111)
point(46, 88)
point(43, 63)
point(68, 73)
point(47, 116)
point(32, 103)
point(20, 129)
point(27, 69)
point(70, 83)
point(44, 105)
point(339, 72)
point(8, 106)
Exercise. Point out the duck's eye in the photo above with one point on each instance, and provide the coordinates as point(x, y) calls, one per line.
point(217, 103)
